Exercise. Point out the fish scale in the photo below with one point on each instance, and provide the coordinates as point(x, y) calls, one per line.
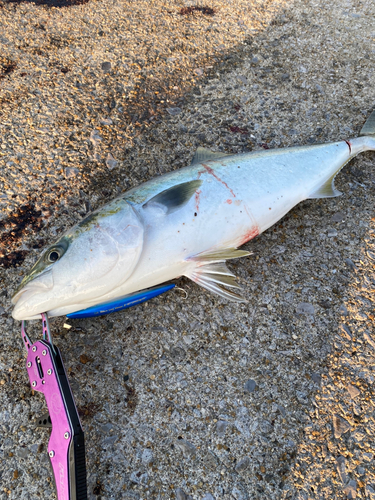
point(187, 222)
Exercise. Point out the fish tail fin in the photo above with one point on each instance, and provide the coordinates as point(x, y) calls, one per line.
point(357, 145)
point(369, 126)
point(368, 134)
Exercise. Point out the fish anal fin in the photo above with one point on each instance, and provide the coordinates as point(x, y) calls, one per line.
point(175, 197)
point(215, 276)
point(327, 190)
point(204, 154)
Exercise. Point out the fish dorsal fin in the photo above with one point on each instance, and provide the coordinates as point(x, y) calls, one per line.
point(173, 198)
point(369, 126)
point(204, 154)
point(211, 273)
point(327, 190)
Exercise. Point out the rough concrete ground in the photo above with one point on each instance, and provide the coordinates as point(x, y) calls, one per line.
point(195, 396)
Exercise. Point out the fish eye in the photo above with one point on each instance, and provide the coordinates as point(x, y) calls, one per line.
point(56, 251)
point(53, 256)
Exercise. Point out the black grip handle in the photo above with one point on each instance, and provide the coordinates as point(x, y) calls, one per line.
point(77, 468)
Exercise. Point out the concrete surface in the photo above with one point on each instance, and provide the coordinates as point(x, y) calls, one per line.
point(194, 397)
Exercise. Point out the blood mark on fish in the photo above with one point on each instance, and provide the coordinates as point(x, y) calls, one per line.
point(249, 235)
point(197, 200)
point(229, 201)
point(350, 147)
point(211, 172)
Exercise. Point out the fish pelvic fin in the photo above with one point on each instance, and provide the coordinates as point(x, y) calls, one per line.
point(369, 126)
point(327, 190)
point(220, 255)
point(211, 273)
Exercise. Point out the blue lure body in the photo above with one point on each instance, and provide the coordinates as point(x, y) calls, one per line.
point(123, 303)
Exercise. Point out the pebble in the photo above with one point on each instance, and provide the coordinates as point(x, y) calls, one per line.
point(250, 385)
point(138, 477)
point(368, 457)
point(305, 308)
point(221, 427)
point(243, 464)
point(331, 233)
point(107, 427)
point(343, 310)
point(341, 468)
point(351, 264)
point(174, 111)
point(369, 339)
point(237, 494)
point(106, 121)
point(22, 452)
point(95, 138)
point(106, 66)
point(71, 172)
point(181, 495)
point(147, 456)
point(265, 427)
point(340, 426)
point(350, 489)
point(353, 391)
point(370, 492)
point(208, 496)
point(338, 217)
point(347, 331)
point(110, 441)
point(188, 449)
point(316, 377)
point(302, 397)
point(177, 353)
point(111, 162)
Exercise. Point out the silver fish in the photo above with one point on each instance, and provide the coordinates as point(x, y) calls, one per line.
point(187, 222)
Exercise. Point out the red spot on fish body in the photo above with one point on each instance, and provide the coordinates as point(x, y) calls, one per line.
point(350, 147)
point(249, 235)
point(197, 200)
point(211, 172)
point(229, 202)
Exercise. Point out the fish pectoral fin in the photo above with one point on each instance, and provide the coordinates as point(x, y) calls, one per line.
point(327, 190)
point(215, 277)
point(204, 154)
point(173, 198)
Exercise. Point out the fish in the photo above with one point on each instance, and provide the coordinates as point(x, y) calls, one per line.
point(187, 222)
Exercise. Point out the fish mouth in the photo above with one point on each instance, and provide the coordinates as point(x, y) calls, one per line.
point(41, 283)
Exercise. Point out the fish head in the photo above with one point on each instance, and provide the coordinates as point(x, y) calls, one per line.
point(91, 259)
